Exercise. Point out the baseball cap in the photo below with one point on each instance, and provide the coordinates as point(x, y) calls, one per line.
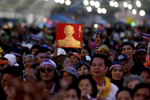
point(12, 59)
point(61, 52)
point(3, 60)
point(80, 63)
point(76, 55)
point(69, 69)
point(16, 52)
point(104, 47)
point(121, 57)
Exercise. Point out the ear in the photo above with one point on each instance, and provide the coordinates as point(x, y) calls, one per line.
point(106, 69)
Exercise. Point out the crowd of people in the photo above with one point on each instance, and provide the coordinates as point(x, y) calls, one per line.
point(33, 67)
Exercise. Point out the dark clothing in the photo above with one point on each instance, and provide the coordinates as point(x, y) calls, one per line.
point(2, 94)
point(137, 68)
point(118, 83)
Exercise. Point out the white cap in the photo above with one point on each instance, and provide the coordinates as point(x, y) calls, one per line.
point(12, 59)
point(28, 45)
point(88, 58)
point(61, 52)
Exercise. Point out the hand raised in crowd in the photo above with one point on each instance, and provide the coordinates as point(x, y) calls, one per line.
point(55, 45)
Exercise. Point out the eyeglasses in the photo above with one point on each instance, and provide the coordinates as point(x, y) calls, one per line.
point(48, 69)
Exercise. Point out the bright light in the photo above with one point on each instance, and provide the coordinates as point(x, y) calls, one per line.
point(46, 0)
point(57, 1)
point(111, 3)
point(99, 10)
point(62, 1)
point(68, 2)
point(86, 2)
point(138, 3)
point(142, 13)
point(97, 4)
point(89, 8)
point(104, 11)
point(92, 3)
point(134, 12)
point(44, 20)
point(129, 6)
point(95, 25)
point(10, 24)
point(116, 4)
point(125, 4)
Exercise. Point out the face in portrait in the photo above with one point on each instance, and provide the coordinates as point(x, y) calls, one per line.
point(69, 30)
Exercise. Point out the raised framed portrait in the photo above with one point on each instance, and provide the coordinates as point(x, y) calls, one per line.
point(69, 35)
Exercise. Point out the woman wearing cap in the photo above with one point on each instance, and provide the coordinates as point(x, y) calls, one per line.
point(115, 73)
point(87, 86)
point(49, 75)
point(69, 74)
point(74, 58)
point(83, 68)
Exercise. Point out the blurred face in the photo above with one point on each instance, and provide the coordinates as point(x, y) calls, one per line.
point(69, 31)
point(141, 56)
point(117, 73)
point(146, 76)
point(141, 94)
point(98, 68)
point(133, 83)
point(124, 95)
point(47, 73)
point(67, 76)
point(86, 52)
point(73, 60)
point(104, 52)
point(128, 51)
point(85, 86)
point(61, 59)
point(42, 58)
point(126, 66)
point(49, 54)
point(28, 62)
point(30, 75)
point(71, 95)
point(83, 70)
point(34, 51)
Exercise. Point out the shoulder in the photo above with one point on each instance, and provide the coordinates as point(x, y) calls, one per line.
point(114, 89)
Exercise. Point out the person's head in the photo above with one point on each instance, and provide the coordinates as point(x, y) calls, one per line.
point(88, 85)
point(83, 68)
point(72, 93)
point(87, 51)
point(69, 74)
point(40, 56)
point(126, 63)
point(3, 63)
point(35, 66)
point(112, 55)
point(116, 70)
point(61, 55)
point(99, 65)
point(69, 30)
point(48, 71)
point(28, 61)
point(17, 52)
point(124, 94)
point(141, 55)
point(132, 81)
point(141, 91)
point(103, 49)
point(74, 58)
point(128, 49)
point(48, 50)
point(145, 74)
point(34, 49)
point(7, 76)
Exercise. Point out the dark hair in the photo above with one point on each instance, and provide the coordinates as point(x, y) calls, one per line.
point(127, 43)
point(39, 51)
point(141, 85)
point(25, 50)
point(101, 56)
point(88, 50)
point(35, 65)
point(72, 86)
point(34, 46)
point(140, 46)
point(3, 58)
point(80, 63)
point(13, 71)
point(125, 89)
point(93, 83)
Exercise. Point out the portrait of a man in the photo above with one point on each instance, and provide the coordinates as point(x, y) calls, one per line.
point(69, 40)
